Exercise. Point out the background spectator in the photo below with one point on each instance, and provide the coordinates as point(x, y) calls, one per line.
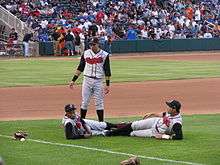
point(26, 39)
point(120, 19)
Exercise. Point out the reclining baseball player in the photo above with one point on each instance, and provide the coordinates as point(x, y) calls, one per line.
point(167, 125)
point(76, 128)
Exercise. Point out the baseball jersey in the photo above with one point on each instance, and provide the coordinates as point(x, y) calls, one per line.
point(95, 65)
point(165, 124)
point(76, 122)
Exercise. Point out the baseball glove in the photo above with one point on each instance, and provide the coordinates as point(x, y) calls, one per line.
point(131, 161)
point(19, 134)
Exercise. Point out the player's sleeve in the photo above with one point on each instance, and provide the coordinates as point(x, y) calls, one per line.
point(71, 132)
point(107, 68)
point(177, 130)
point(82, 64)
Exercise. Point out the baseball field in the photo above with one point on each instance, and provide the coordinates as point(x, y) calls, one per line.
point(34, 91)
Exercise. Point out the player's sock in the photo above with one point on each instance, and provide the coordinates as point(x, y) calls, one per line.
point(124, 131)
point(100, 114)
point(83, 113)
point(110, 125)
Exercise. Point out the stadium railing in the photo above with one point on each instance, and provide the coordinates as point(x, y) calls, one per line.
point(13, 22)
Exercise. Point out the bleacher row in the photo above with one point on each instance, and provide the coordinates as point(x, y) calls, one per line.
point(122, 19)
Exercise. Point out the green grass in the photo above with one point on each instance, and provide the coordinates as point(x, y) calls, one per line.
point(58, 72)
point(201, 144)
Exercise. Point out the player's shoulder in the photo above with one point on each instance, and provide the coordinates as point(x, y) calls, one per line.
point(103, 53)
point(87, 51)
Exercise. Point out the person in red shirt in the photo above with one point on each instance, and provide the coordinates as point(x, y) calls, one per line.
point(99, 17)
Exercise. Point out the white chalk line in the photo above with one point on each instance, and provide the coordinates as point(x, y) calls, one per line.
point(107, 151)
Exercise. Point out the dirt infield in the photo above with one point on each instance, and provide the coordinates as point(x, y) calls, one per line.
point(199, 96)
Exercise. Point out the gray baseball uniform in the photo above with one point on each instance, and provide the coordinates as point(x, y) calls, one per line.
point(151, 126)
point(74, 127)
point(95, 66)
point(95, 127)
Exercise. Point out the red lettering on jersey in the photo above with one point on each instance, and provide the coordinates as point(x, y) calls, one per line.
point(94, 60)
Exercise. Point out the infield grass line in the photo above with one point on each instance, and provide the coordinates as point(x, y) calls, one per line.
point(107, 151)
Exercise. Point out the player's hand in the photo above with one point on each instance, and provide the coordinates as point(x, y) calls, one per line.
point(71, 84)
point(162, 136)
point(86, 135)
point(106, 90)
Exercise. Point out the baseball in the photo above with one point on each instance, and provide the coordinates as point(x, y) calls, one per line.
point(22, 139)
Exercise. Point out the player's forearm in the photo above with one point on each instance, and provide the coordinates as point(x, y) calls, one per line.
point(76, 75)
point(77, 72)
point(71, 132)
point(107, 68)
point(151, 115)
point(168, 137)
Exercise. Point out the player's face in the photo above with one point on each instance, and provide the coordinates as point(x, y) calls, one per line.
point(95, 47)
point(70, 114)
point(170, 110)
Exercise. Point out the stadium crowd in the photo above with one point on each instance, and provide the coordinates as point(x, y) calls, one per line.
point(118, 19)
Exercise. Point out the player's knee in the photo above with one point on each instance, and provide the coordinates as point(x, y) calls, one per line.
point(99, 106)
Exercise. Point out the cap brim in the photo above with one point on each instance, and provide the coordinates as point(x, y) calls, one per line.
point(169, 104)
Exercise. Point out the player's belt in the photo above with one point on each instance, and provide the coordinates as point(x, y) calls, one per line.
point(92, 77)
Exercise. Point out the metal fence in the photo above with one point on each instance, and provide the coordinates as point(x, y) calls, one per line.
point(14, 50)
point(11, 49)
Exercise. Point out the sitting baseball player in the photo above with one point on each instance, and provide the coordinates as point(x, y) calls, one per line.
point(75, 127)
point(167, 125)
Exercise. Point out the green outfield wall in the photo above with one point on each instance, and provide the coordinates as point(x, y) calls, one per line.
point(166, 45)
point(46, 48)
point(130, 46)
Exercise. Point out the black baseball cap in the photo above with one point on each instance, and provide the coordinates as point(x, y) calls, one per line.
point(174, 104)
point(70, 108)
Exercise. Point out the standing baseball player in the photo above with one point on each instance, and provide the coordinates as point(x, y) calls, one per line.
point(95, 65)
point(167, 125)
